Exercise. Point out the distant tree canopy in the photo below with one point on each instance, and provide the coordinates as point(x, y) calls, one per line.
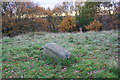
point(24, 17)
point(68, 24)
point(89, 11)
point(86, 13)
point(115, 24)
point(65, 7)
point(94, 26)
point(21, 17)
point(108, 16)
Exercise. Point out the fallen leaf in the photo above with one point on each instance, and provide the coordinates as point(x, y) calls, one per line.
point(11, 77)
point(94, 57)
point(40, 70)
point(76, 71)
point(64, 69)
point(115, 53)
point(4, 61)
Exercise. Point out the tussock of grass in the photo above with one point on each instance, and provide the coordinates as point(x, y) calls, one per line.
point(94, 55)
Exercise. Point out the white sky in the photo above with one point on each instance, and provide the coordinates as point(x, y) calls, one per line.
point(48, 3)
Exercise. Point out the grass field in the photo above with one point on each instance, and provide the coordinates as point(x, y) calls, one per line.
point(94, 55)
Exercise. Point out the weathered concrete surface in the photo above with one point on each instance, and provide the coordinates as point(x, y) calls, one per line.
point(56, 51)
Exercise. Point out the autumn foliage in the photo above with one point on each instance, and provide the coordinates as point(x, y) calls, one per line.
point(94, 26)
point(68, 24)
point(23, 17)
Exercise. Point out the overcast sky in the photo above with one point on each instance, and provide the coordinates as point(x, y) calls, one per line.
point(48, 3)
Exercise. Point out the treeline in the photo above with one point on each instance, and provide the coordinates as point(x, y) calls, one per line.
point(98, 16)
point(23, 17)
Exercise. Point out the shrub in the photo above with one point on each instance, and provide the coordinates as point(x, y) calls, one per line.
point(94, 26)
point(68, 24)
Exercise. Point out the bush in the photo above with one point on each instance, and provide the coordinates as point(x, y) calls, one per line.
point(94, 26)
point(68, 24)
